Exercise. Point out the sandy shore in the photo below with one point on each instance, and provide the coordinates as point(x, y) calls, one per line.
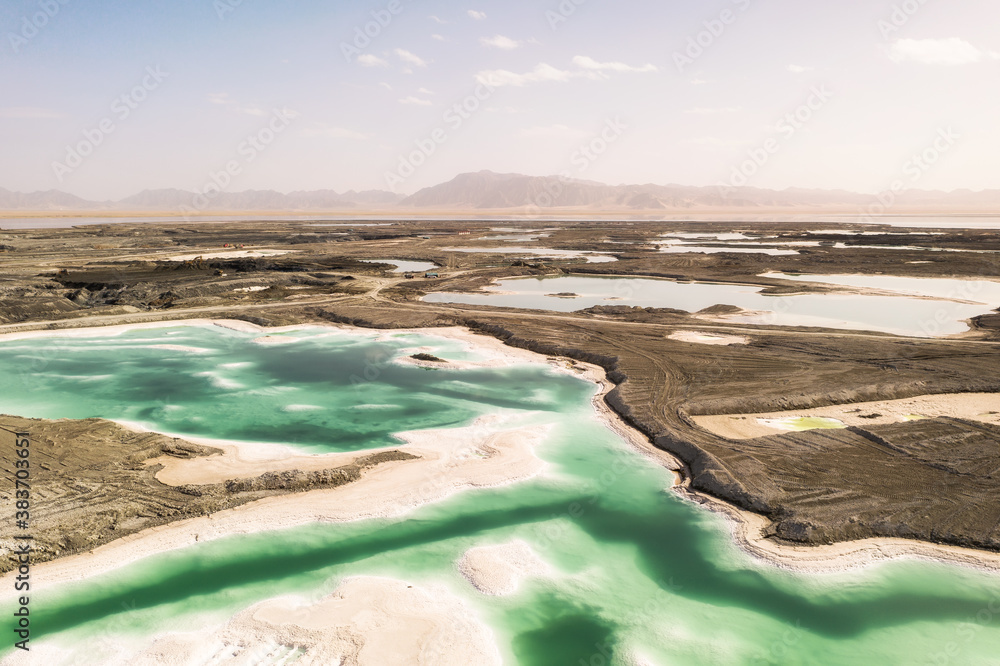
point(431, 630)
point(366, 621)
point(498, 570)
point(702, 338)
point(243, 459)
point(254, 253)
point(982, 407)
point(748, 532)
point(482, 455)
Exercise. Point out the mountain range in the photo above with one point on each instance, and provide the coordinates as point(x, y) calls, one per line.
point(487, 190)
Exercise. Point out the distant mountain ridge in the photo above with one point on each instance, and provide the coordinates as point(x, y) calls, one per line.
point(258, 200)
point(486, 189)
point(182, 200)
point(49, 199)
point(489, 190)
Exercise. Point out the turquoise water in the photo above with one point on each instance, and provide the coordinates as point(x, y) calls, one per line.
point(899, 315)
point(638, 571)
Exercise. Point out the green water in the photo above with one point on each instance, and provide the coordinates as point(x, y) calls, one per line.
point(801, 423)
point(640, 573)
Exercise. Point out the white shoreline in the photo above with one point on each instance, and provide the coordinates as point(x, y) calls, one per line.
point(294, 507)
point(498, 570)
point(365, 620)
point(747, 530)
point(450, 461)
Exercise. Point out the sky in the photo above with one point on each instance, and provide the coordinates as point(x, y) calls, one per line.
point(105, 99)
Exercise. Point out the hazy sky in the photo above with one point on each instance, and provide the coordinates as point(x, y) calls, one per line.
point(108, 98)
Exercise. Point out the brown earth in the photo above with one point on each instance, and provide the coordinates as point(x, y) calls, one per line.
point(934, 480)
point(91, 483)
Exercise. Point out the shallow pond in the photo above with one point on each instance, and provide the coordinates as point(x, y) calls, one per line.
point(591, 257)
point(986, 292)
point(742, 248)
point(404, 265)
point(900, 315)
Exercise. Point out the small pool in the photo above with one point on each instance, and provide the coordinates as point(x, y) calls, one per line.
point(403, 265)
point(986, 292)
point(742, 248)
point(591, 257)
point(900, 315)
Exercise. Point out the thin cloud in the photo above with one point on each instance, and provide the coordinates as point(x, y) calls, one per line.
point(410, 58)
point(371, 60)
point(438, 20)
point(500, 42)
point(223, 99)
point(545, 73)
point(479, 16)
point(438, 37)
point(952, 51)
point(799, 69)
point(252, 111)
point(425, 91)
point(415, 101)
point(593, 65)
point(542, 73)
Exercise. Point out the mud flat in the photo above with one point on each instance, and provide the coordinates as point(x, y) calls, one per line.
point(701, 338)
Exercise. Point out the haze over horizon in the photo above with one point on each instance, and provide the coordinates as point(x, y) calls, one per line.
point(116, 99)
